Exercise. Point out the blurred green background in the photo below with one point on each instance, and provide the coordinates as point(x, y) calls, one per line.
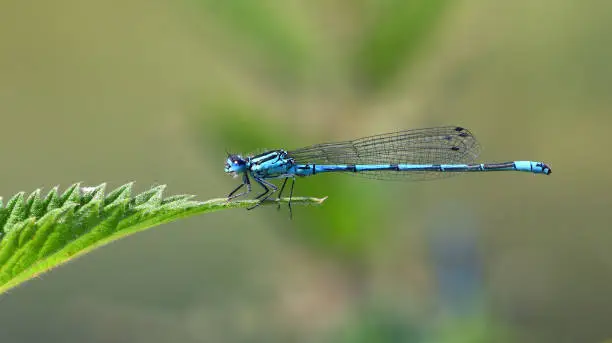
point(156, 91)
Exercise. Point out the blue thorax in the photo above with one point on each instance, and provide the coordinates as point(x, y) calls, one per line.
point(270, 164)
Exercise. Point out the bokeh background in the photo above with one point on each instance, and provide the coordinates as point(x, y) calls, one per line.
point(156, 91)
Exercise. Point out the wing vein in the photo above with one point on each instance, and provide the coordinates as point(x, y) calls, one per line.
point(438, 145)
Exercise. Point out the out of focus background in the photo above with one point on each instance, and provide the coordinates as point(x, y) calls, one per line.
point(157, 91)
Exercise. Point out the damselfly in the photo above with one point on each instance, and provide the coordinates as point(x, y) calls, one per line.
point(421, 154)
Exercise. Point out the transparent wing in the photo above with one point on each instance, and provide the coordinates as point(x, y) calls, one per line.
point(438, 145)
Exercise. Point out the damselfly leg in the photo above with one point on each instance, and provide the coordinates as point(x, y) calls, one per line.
point(280, 193)
point(269, 188)
point(245, 181)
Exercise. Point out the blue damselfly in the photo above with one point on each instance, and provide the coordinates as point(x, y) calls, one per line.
point(420, 154)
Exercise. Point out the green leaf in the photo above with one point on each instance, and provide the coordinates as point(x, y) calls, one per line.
point(38, 234)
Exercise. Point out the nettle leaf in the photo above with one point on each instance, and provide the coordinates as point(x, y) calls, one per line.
point(38, 234)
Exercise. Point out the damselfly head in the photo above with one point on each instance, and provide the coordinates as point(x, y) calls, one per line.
point(235, 165)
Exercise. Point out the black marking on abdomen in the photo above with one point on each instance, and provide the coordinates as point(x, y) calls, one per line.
point(500, 165)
